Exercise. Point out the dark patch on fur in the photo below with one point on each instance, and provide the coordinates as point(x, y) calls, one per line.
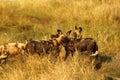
point(81, 45)
point(42, 47)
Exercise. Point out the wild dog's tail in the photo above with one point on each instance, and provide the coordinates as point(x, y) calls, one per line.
point(95, 50)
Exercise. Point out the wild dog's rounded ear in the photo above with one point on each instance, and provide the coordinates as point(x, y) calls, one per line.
point(76, 27)
point(80, 28)
point(68, 33)
point(53, 36)
point(30, 39)
point(59, 31)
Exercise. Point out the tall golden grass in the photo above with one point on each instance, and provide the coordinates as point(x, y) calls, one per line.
point(37, 19)
point(35, 68)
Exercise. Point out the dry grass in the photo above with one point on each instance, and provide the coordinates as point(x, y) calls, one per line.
point(36, 68)
point(37, 19)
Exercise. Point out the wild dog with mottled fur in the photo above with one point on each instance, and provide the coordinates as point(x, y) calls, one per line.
point(45, 47)
point(82, 43)
point(79, 44)
point(11, 49)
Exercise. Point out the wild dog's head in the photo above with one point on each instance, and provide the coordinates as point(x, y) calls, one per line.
point(77, 32)
point(3, 53)
point(63, 37)
point(54, 36)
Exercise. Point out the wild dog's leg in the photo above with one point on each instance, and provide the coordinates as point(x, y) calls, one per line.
point(57, 51)
point(67, 52)
point(73, 51)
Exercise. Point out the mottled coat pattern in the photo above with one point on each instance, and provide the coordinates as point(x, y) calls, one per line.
point(44, 47)
point(79, 44)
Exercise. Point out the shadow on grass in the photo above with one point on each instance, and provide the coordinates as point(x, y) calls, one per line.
point(101, 59)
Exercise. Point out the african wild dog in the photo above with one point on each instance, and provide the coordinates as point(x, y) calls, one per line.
point(84, 44)
point(79, 44)
point(45, 47)
point(66, 43)
point(11, 49)
point(15, 48)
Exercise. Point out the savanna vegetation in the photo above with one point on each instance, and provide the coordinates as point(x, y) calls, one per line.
point(21, 20)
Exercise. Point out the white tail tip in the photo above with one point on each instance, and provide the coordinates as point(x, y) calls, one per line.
point(95, 54)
